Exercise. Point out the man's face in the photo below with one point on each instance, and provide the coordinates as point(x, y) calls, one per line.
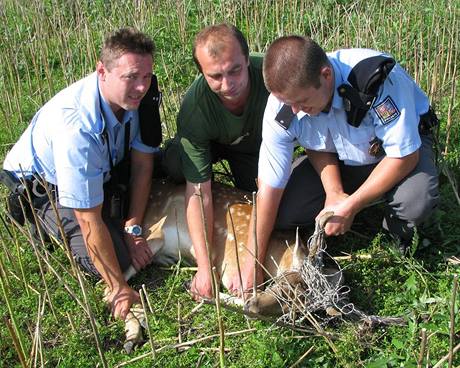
point(125, 82)
point(226, 73)
point(311, 100)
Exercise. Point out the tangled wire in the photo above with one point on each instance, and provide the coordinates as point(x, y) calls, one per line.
point(321, 289)
point(321, 295)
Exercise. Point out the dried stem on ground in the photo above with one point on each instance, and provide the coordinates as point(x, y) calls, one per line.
point(220, 322)
point(452, 320)
point(238, 266)
point(422, 348)
point(256, 245)
point(185, 344)
point(446, 357)
point(300, 360)
point(12, 325)
point(17, 342)
point(92, 320)
point(147, 325)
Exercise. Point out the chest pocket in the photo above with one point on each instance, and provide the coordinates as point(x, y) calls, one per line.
point(358, 143)
point(310, 133)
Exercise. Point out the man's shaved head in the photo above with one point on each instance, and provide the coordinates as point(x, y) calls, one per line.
point(293, 62)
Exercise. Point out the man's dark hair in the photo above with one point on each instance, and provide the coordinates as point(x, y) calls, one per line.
point(293, 62)
point(218, 35)
point(122, 41)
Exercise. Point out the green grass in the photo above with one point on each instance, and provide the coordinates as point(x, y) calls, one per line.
point(47, 44)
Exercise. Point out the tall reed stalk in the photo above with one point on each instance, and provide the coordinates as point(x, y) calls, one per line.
point(48, 44)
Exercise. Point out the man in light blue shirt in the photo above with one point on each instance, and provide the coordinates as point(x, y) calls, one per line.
point(76, 143)
point(364, 124)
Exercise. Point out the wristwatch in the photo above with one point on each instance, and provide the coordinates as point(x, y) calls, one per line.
point(135, 230)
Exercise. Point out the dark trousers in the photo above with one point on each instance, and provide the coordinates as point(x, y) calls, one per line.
point(408, 204)
point(243, 166)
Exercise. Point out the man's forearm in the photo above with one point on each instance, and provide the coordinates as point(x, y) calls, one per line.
point(195, 223)
point(268, 199)
point(100, 246)
point(389, 172)
point(327, 167)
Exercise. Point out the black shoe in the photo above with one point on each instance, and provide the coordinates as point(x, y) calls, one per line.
point(403, 247)
point(36, 234)
point(399, 245)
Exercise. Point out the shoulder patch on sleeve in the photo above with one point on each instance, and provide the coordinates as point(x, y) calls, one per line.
point(285, 116)
point(387, 110)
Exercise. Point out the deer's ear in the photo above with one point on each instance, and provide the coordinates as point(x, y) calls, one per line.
point(298, 253)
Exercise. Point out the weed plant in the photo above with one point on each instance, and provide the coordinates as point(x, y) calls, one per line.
point(48, 44)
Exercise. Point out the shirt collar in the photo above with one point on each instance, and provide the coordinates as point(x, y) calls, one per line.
point(301, 114)
point(109, 116)
point(337, 101)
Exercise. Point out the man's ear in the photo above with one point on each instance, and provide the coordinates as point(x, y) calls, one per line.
point(101, 70)
point(326, 72)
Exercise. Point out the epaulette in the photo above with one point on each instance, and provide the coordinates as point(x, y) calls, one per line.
point(364, 81)
point(285, 116)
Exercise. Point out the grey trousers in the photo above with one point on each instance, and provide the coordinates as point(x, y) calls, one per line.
point(408, 204)
point(75, 238)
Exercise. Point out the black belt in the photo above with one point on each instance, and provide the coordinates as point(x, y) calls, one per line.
point(428, 121)
point(17, 186)
point(18, 204)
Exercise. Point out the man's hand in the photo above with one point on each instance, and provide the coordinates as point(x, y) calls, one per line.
point(140, 252)
point(120, 300)
point(201, 286)
point(333, 199)
point(247, 277)
point(342, 220)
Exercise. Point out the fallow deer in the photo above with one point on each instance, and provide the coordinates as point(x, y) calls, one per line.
point(166, 231)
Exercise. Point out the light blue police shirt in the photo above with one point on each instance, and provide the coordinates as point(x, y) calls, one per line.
point(65, 144)
point(393, 118)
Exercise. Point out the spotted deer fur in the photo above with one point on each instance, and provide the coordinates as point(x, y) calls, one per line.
point(166, 231)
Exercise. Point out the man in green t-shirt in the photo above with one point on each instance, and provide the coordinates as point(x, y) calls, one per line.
point(220, 118)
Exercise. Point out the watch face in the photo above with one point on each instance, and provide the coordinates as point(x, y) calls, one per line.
point(135, 230)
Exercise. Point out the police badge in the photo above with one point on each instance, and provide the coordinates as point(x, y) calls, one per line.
point(376, 148)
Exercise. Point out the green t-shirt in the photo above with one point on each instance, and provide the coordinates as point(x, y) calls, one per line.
point(203, 119)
